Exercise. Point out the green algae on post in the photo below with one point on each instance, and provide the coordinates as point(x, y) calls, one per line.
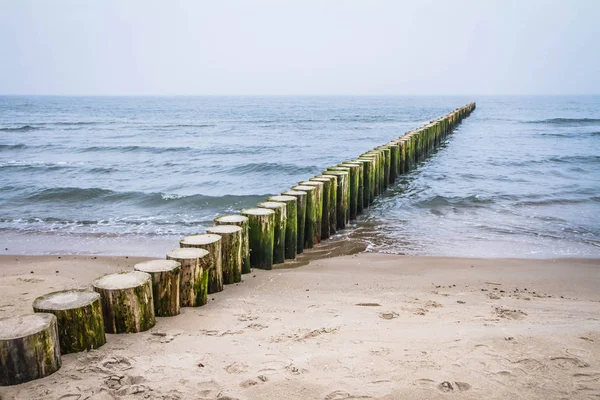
point(79, 317)
point(193, 284)
point(291, 224)
point(310, 222)
point(280, 228)
point(29, 348)
point(166, 276)
point(231, 251)
point(242, 222)
point(211, 243)
point(343, 197)
point(326, 208)
point(127, 302)
point(301, 214)
point(331, 202)
point(261, 231)
point(320, 191)
point(358, 167)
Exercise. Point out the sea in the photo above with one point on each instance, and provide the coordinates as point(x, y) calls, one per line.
point(131, 175)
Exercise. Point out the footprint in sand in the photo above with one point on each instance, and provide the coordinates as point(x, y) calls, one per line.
point(340, 395)
point(388, 315)
point(568, 362)
point(236, 368)
point(448, 386)
point(509, 314)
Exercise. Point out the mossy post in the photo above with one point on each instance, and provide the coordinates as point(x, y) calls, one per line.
point(320, 192)
point(331, 202)
point(325, 218)
point(366, 181)
point(357, 166)
point(127, 303)
point(211, 243)
point(301, 214)
point(280, 228)
point(261, 224)
point(242, 222)
point(371, 164)
point(387, 156)
point(352, 188)
point(343, 197)
point(79, 317)
point(29, 348)
point(394, 161)
point(166, 278)
point(232, 244)
point(193, 283)
point(378, 175)
point(291, 224)
point(310, 224)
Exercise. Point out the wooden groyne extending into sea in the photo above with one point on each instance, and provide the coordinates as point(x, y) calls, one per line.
point(276, 230)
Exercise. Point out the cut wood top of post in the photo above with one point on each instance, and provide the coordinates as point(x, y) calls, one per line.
point(339, 172)
point(272, 204)
point(304, 188)
point(312, 183)
point(187, 253)
point(65, 299)
point(258, 211)
point(282, 198)
point(338, 169)
point(121, 280)
point(204, 238)
point(21, 326)
point(294, 193)
point(157, 266)
point(224, 229)
point(232, 219)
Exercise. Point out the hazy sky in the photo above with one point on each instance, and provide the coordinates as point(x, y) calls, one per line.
point(300, 47)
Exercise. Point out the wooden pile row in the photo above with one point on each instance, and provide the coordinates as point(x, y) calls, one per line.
point(277, 230)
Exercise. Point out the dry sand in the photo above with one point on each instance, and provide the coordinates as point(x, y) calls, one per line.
point(366, 326)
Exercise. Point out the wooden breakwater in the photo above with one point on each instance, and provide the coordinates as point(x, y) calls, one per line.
point(277, 230)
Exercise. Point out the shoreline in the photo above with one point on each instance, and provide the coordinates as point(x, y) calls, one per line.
point(366, 325)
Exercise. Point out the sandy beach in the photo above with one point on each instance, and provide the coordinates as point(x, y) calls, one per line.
point(368, 326)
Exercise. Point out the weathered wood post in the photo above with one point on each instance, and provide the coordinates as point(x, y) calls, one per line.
point(331, 202)
point(127, 303)
point(319, 190)
point(301, 214)
point(193, 284)
point(29, 348)
point(242, 222)
point(232, 244)
point(352, 189)
point(358, 167)
point(291, 224)
point(280, 228)
point(79, 318)
point(370, 162)
point(166, 278)
point(261, 231)
point(310, 222)
point(211, 243)
point(394, 161)
point(325, 217)
point(366, 181)
point(343, 197)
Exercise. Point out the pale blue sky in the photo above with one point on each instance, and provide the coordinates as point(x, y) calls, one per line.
point(299, 47)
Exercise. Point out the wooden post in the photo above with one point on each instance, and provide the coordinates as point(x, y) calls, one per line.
point(352, 189)
point(325, 215)
point(79, 318)
point(358, 167)
point(332, 202)
point(127, 304)
point(343, 197)
point(193, 284)
point(242, 222)
point(29, 348)
point(366, 181)
point(291, 224)
point(394, 161)
point(371, 176)
point(232, 244)
point(261, 224)
point(301, 214)
point(310, 222)
point(320, 191)
point(211, 243)
point(166, 278)
point(280, 228)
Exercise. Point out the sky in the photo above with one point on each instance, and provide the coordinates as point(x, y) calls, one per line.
point(303, 47)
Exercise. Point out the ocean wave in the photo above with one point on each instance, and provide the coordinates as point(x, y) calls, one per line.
point(455, 202)
point(290, 169)
point(566, 121)
point(26, 165)
point(76, 195)
point(131, 149)
point(12, 146)
point(24, 128)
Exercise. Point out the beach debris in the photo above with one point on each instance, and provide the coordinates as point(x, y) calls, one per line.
point(460, 301)
point(388, 315)
point(368, 305)
point(447, 386)
point(493, 283)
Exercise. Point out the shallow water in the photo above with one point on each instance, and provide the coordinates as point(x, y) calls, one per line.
point(520, 177)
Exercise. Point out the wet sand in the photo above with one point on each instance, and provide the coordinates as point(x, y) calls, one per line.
point(368, 326)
